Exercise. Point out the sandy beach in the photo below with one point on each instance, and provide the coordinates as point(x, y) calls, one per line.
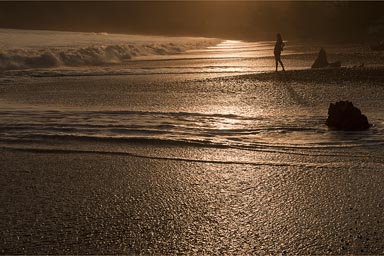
point(69, 203)
point(89, 195)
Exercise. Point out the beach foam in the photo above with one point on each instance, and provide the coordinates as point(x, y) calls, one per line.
point(47, 49)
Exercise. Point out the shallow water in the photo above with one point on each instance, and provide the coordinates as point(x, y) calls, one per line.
point(222, 112)
point(167, 154)
point(190, 99)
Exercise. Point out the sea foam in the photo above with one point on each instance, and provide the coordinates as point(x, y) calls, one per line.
point(20, 49)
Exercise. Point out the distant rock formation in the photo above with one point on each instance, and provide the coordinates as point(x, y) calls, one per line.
point(344, 116)
point(378, 46)
point(322, 62)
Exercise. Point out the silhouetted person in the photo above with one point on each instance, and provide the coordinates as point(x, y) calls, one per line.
point(277, 51)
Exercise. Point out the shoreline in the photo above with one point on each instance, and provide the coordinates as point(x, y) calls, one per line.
point(368, 74)
point(149, 197)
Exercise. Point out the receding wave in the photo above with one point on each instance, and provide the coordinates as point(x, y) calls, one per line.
point(182, 159)
point(261, 133)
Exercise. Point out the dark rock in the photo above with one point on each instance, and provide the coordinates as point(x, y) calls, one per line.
point(378, 46)
point(344, 116)
point(322, 61)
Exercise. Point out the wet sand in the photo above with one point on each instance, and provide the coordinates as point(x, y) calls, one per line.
point(74, 202)
point(321, 75)
point(70, 203)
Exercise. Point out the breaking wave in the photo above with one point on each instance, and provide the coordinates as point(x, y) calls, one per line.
point(92, 55)
point(23, 49)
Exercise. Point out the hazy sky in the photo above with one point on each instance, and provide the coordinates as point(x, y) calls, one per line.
point(236, 19)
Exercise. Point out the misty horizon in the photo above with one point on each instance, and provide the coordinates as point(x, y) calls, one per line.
point(341, 21)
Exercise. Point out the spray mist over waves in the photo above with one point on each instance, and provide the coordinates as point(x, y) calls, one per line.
point(90, 52)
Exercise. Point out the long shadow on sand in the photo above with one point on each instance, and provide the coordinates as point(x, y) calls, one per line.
point(286, 81)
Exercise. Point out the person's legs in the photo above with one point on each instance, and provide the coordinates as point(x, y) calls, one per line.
point(277, 59)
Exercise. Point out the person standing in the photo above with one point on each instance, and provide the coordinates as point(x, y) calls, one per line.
point(277, 51)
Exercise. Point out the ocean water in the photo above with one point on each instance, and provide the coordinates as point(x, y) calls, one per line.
point(155, 90)
point(175, 147)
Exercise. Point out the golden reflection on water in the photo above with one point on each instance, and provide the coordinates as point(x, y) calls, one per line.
point(240, 57)
point(229, 56)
